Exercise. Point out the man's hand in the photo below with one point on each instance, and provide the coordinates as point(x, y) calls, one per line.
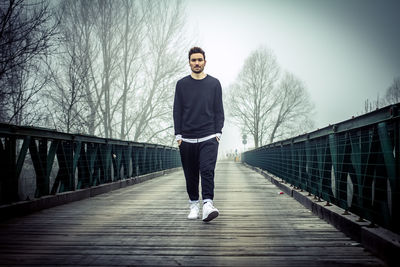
point(179, 142)
point(217, 138)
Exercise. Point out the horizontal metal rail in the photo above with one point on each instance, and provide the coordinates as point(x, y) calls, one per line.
point(354, 164)
point(36, 162)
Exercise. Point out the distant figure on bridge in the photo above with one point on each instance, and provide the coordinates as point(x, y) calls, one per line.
point(198, 120)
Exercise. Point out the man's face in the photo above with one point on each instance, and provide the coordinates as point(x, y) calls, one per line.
point(197, 62)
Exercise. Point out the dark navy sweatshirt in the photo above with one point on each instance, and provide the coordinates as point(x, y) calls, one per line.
point(198, 109)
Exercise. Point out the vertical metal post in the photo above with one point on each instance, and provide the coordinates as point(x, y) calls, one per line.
point(9, 181)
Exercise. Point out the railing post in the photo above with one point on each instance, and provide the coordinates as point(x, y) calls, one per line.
point(145, 166)
point(95, 164)
point(85, 166)
point(39, 159)
point(389, 159)
point(127, 161)
point(135, 163)
point(164, 159)
point(9, 180)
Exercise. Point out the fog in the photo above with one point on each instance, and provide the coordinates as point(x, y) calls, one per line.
point(344, 51)
point(67, 68)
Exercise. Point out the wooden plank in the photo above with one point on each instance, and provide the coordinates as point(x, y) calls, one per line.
point(146, 224)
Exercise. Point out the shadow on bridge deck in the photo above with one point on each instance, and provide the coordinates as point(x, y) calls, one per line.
point(146, 224)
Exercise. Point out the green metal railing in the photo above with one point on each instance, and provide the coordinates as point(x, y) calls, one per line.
point(36, 162)
point(354, 164)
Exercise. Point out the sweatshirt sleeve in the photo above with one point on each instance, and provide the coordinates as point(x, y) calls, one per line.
point(177, 111)
point(218, 109)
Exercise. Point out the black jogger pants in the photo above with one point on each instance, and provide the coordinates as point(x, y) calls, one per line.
point(199, 158)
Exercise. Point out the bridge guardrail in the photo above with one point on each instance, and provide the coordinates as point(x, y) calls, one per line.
point(36, 162)
point(354, 164)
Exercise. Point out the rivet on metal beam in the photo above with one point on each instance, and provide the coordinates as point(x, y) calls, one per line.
point(346, 212)
point(360, 219)
point(327, 204)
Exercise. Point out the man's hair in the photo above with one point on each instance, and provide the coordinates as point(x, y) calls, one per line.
point(195, 50)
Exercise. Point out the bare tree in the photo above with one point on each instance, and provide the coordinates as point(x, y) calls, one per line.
point(117, 66)
point(69, 95)
point(132, 44)
point(393, 92)
point(379, 102)
point(265, 108)
point(26, 28)
point(66, 109)
point(66, 90)
point(292, 115)
point(392, 96)
point(371, 105)
point(81, 18)
point(24, 88)
point(164, 64)
point(107, 17)
point(253, 97)
point(89, 52)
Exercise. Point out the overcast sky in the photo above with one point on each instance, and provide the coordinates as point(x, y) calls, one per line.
point(344, 50)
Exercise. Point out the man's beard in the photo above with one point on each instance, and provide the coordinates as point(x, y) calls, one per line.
point(197, 71)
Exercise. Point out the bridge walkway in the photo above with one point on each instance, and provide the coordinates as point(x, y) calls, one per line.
point(145, 224)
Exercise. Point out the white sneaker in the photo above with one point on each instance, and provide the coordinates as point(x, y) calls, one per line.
point(194, 211)
point(209, 212)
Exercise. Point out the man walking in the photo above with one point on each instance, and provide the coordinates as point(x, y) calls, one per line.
point(198, 120)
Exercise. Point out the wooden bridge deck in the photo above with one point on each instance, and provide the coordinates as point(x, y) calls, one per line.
point(146, 224)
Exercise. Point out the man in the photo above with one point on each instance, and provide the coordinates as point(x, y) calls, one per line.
point(198, 120)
